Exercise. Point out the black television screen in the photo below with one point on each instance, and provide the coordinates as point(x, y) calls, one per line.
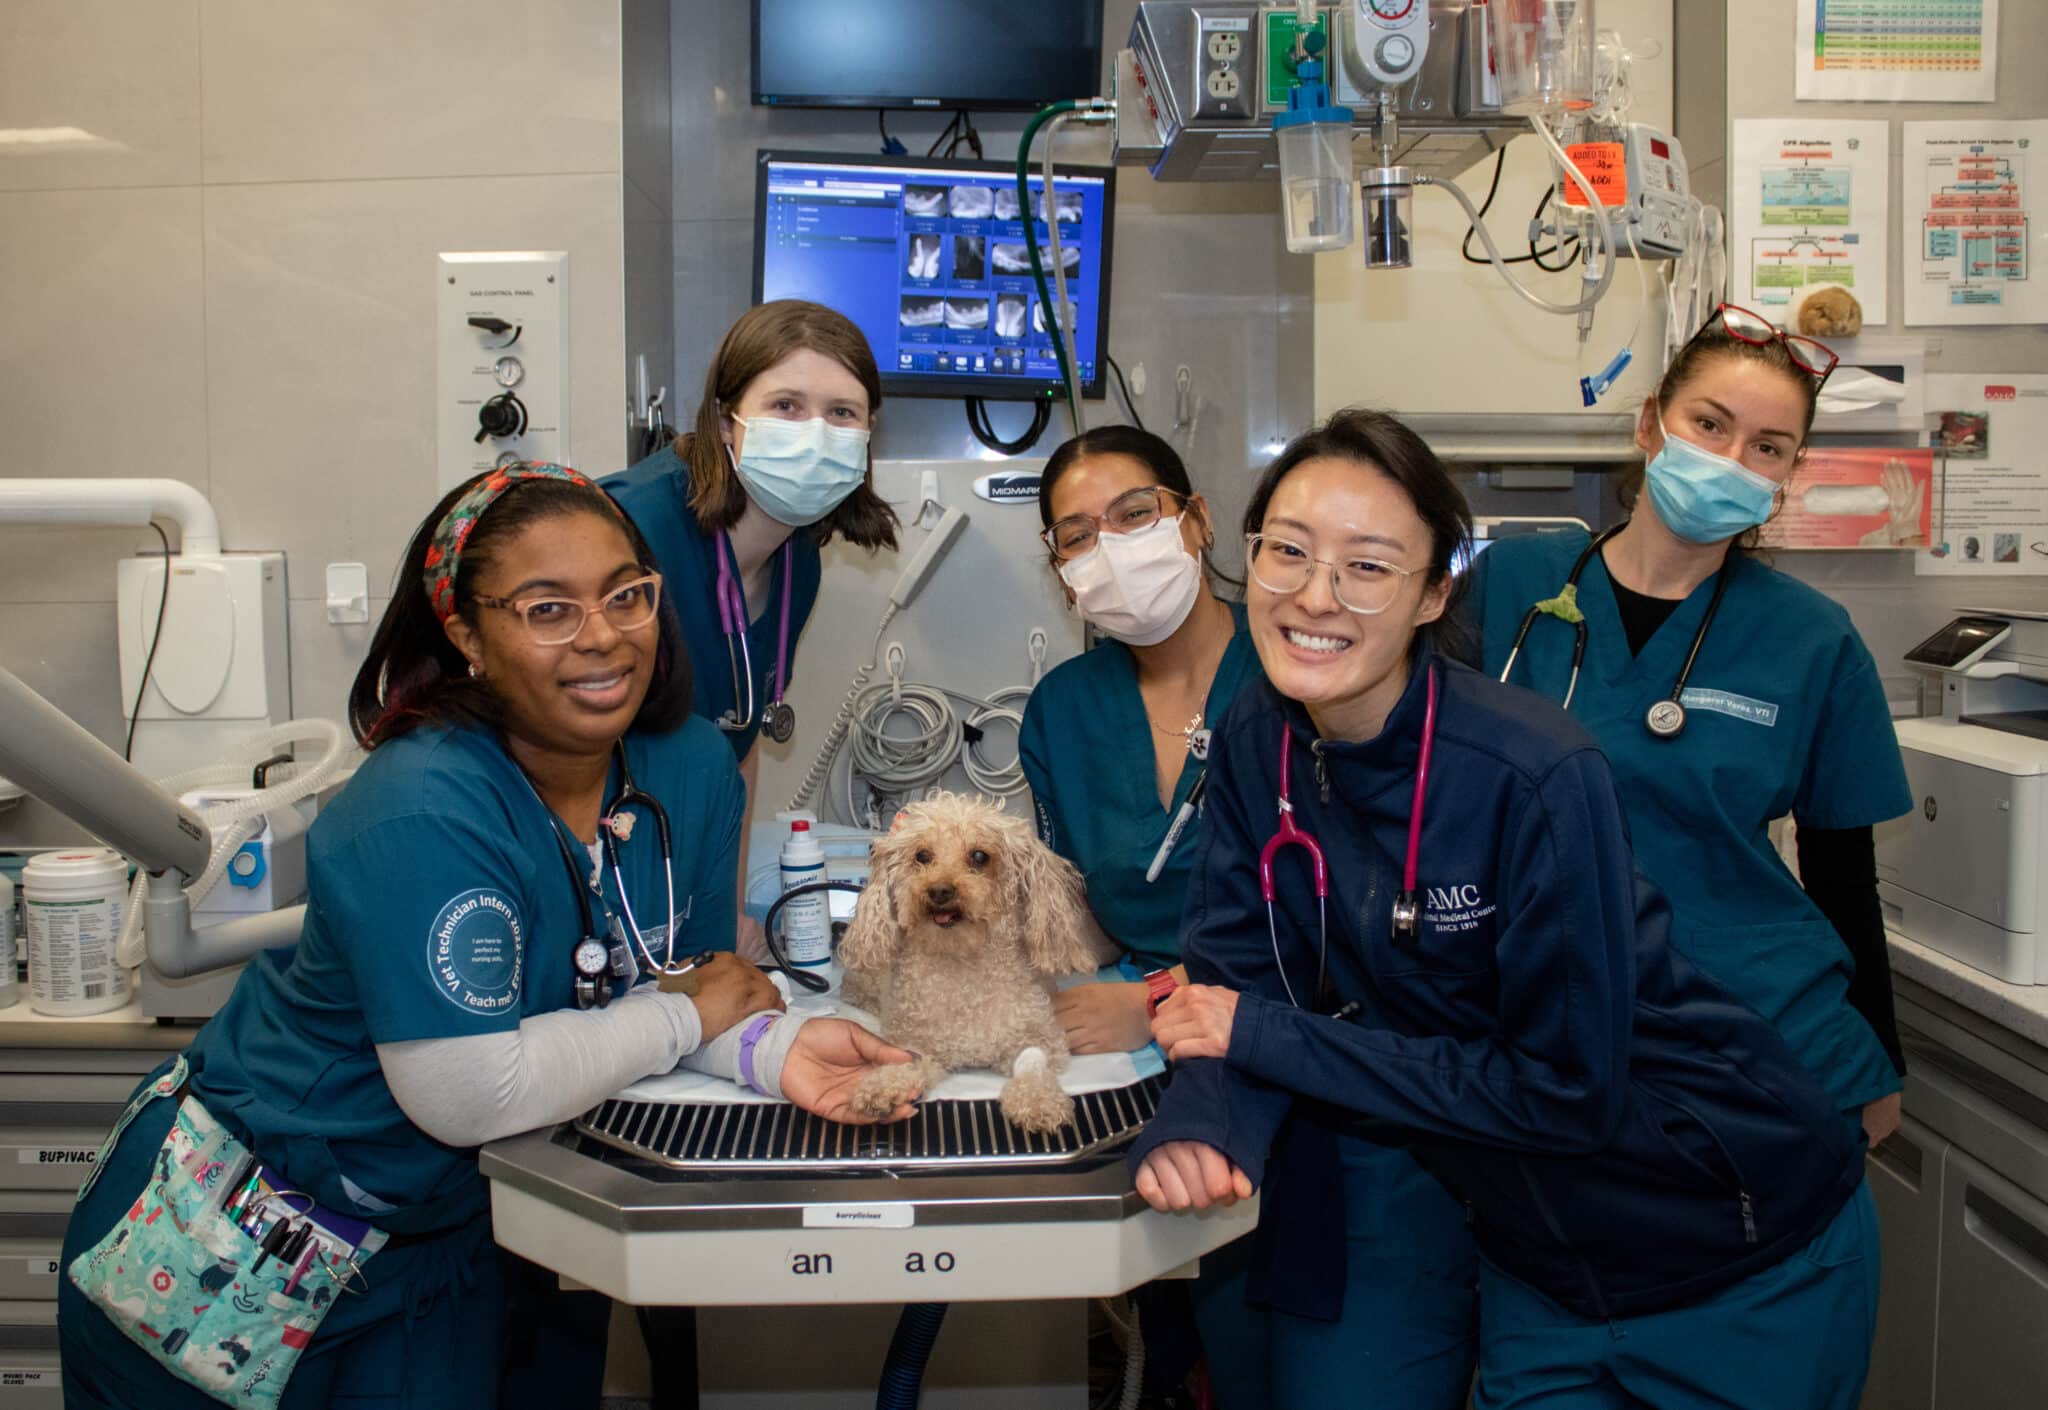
point(928, 257)
point(980, 54)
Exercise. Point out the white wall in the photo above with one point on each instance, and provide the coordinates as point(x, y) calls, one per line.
point(236, 291)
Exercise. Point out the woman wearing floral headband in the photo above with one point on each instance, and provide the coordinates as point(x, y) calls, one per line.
point(468, 970)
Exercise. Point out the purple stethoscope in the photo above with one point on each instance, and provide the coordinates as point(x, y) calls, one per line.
point(778, 721)
point(1407, 920)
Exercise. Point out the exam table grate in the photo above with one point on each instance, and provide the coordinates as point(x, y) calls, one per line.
point(952, 1135)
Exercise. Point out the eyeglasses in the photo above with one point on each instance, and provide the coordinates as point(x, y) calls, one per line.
point(1129, 512)
point(1756, 330)
point(554, 621)
point(1362, 585)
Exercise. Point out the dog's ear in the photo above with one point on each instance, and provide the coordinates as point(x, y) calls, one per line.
point(877, 930)
point(1049, 904)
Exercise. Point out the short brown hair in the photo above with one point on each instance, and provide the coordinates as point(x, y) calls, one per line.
point(764, 336)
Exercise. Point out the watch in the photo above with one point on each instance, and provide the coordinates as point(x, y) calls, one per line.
point(1158, 984)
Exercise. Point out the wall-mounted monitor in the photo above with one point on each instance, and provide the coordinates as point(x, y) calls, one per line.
point(928, 257)
point(978, 54)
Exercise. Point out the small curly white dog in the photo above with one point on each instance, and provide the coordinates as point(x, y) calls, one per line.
point(966, 920)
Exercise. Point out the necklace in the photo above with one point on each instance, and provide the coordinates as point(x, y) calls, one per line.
point(1185, 733)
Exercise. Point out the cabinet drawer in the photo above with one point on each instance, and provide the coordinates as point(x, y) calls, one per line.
point(1989, 1346)
point(48, 1157)
point(1905, 1178)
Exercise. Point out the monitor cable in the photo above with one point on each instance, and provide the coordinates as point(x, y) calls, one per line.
point(984, 430)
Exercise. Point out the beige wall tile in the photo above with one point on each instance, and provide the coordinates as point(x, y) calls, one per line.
point(327, 89)
point(66, 652)
point(102, 364)
point(125, 73)
point(325, 657)
point(320, 305)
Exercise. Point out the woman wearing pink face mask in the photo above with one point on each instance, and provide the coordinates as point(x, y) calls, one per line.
point(1129, 537)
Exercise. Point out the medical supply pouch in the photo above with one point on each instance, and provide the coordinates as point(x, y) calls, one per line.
point(216, 1271)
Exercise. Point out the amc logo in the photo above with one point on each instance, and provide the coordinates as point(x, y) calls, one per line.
point(2001, 393)
point(1928, 809)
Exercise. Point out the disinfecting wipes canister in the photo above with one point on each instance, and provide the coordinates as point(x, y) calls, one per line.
point(73, 902)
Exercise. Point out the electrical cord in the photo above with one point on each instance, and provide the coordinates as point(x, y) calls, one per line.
point(984, 430)
point(1567, 245)
point(803, 978)
point(156, 636)
point(1130, 403)
point(890, 146)
point(822, 765)
point(1535, 256)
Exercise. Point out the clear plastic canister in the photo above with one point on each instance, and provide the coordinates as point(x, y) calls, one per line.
point(73, 902)
point(1315, 185)
point(1388, 196)
point(1543, 52)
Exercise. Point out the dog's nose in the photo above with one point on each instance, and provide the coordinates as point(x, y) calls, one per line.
point(941, 895)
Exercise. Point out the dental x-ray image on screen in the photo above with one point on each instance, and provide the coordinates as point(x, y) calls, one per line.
point(1038, 316)
point(1067, 203)
point(1010, 315)
point(924, 256)
point(971, 202)
point(1006, 203)
point(970, 257)
point(924, 200)
point(918, 312)
point(966, 313)
point(1013, 258)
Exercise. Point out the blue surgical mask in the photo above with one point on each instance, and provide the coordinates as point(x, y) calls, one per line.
point(1703, 497)
point(800, 471)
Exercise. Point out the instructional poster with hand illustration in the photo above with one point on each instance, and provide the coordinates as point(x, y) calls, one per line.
point(1857, 498)
point(1811, 207)
point(1968, 190)
point(1994, 493)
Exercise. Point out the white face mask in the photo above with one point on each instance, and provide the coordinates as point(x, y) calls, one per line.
point(1136, 587)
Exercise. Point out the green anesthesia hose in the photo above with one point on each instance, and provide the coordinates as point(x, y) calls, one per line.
point(1045, 300)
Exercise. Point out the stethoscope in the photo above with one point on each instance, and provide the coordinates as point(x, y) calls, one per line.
point(778, 721)
point(605, 962)
point(1407, 911)
point(1666, 718)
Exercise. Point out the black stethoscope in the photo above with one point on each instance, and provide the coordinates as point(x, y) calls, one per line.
point(604, 961)
point(778, 719)
point(1666, 718)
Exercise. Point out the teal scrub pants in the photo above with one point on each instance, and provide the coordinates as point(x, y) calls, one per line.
point(1407, 1338)
point(1798, 1334)
point(426, 1335)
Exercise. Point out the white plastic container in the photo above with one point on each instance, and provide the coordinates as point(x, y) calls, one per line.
point(10, 987)
point(806, 921)
point(1543, 51)
point(73, 902)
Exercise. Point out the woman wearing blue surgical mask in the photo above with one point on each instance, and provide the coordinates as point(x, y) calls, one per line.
point(740, 505)
point(1780, 710)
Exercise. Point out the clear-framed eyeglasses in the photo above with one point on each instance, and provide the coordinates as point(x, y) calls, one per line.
point(1129, 512)
point(1363, 585)
point(555, 621)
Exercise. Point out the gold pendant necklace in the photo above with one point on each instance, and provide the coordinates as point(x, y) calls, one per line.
point(1186, 733)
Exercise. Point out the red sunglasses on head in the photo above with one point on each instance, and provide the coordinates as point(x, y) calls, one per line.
point(1756, 330)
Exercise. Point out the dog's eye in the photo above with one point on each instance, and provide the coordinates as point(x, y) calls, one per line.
point(924, 856)
point(977, 859)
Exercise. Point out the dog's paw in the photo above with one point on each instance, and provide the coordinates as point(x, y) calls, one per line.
point(884, 1089)
point(1035, 1101)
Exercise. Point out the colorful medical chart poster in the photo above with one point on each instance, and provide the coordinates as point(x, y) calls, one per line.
point(1969, 192)
point(1862, 498)
point(1993, 431)
point(1812, 206)
point(1897, 51)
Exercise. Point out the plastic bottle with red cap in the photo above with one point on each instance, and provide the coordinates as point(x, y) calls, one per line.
point(807, 920)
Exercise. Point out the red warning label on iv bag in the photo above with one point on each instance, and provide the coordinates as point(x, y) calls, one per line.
point(1606, 170)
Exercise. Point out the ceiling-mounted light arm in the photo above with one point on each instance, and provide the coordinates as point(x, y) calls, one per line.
point(115, 502)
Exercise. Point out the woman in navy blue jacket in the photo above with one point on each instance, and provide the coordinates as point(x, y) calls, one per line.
point(1669, 1209)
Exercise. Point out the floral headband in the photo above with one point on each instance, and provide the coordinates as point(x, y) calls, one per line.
point(444, 554)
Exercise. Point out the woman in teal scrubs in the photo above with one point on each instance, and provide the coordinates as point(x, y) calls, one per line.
point(1127, 535)
point(433, 1000)
point(776, 466)
point(1782, 708)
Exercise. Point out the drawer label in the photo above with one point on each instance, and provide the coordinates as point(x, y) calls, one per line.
point(859, 1216)
point(13, 1377)
point(43, 1267)
point(58, 1155)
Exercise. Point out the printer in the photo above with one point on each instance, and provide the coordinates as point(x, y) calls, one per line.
point(1961, 873)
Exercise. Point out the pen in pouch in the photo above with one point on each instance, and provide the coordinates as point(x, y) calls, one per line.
point(302, 1258)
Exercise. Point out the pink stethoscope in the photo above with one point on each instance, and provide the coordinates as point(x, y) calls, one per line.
point(778, 721)
point(1407, 920)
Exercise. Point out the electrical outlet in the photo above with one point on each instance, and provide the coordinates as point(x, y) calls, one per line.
point(1224, 84)
point(1225, 45)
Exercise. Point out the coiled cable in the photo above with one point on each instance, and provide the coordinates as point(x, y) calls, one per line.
point(822, 765)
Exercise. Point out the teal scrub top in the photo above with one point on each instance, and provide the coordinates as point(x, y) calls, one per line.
point(1784, 714)
point(656, 493)
point(1095, 792)
point(441, 905)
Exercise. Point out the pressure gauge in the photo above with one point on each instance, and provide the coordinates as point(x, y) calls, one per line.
point(1388, 11)
point(509, 371)
point(592, 958)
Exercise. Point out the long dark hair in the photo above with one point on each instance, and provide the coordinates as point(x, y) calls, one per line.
point(414, 676)
point(764, 336)
point(1166, 467)
point(1376, 439)
point(1710, 345)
